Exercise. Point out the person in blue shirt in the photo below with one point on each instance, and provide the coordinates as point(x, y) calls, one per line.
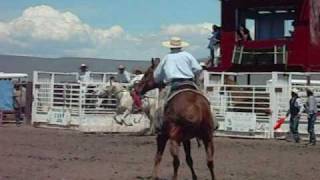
point(178, 65)
point(175, 68)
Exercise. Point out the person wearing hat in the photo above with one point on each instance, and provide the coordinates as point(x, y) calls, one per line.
point(84, 75)
point(202, 74)
point(178, 65)
point(214, 44)
point(175, 68)
point(123, 75)
point(311, 110)
point(295, 110)
point(137, 101)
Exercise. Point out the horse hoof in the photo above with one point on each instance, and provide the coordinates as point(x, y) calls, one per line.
point(117, 120)
point(149, 133)
point(127, 124)
point(142, 132)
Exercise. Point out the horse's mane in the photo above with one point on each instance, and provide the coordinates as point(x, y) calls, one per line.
point(118, 85)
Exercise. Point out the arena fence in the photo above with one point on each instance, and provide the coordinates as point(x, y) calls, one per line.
point(249, 104)
point(245, 104)
point(60, 100)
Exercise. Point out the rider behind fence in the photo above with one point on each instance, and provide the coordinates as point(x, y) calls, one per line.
point(137, 102)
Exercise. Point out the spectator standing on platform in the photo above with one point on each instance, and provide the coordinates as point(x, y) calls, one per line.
point(214, 44)
point(243, 34)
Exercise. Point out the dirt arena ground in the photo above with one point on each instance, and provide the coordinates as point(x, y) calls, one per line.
point(28, 153)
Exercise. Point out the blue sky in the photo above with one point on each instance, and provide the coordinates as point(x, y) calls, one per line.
point(120, 29)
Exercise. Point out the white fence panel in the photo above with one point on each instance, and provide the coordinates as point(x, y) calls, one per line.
point(261, 97)
point(61, 100)
point(241, 107)
point(245, 104)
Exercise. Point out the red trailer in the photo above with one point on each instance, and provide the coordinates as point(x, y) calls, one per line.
point(285, 35)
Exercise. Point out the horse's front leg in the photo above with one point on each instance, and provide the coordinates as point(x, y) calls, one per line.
point(151, 116)
point(99, 102)
point(161, 145)
point(208, 143)
point(124, 118)
point(150, 129)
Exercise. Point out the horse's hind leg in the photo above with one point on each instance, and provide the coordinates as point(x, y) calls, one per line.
point(208, 143)
point(187, 150)
point(161, 145)
point(174, 149)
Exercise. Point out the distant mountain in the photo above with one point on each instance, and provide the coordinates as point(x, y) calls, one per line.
point(25, 64)
point(28, 64)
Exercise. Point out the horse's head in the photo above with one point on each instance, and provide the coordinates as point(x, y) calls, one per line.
point(100, 91)
point(147, 82)
point(111, 89)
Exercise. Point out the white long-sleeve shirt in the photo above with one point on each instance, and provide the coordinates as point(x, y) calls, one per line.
point(84, 76)
point(181, 65)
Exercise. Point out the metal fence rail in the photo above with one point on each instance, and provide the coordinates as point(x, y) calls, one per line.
point(245, 104)
point(249, 104)
point(61, 100)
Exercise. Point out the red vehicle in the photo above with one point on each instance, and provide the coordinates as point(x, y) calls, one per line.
point(285, 35)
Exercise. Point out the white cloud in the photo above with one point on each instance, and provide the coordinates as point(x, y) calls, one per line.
point(4, 31)
point(187, 29)
point(45, 23)
point(45, 31)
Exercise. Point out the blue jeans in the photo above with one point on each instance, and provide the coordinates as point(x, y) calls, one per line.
point(294, 125)
point(311, 120)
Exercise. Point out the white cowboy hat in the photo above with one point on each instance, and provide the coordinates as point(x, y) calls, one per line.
point(203, 64)
point(83, 66)
point(175, 42)
point(121, 66)
point(295, 90)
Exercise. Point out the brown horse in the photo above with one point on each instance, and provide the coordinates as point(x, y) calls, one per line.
point(187, 115)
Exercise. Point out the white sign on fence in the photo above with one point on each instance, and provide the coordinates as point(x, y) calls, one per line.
point(59, 117)
point(240, 122)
